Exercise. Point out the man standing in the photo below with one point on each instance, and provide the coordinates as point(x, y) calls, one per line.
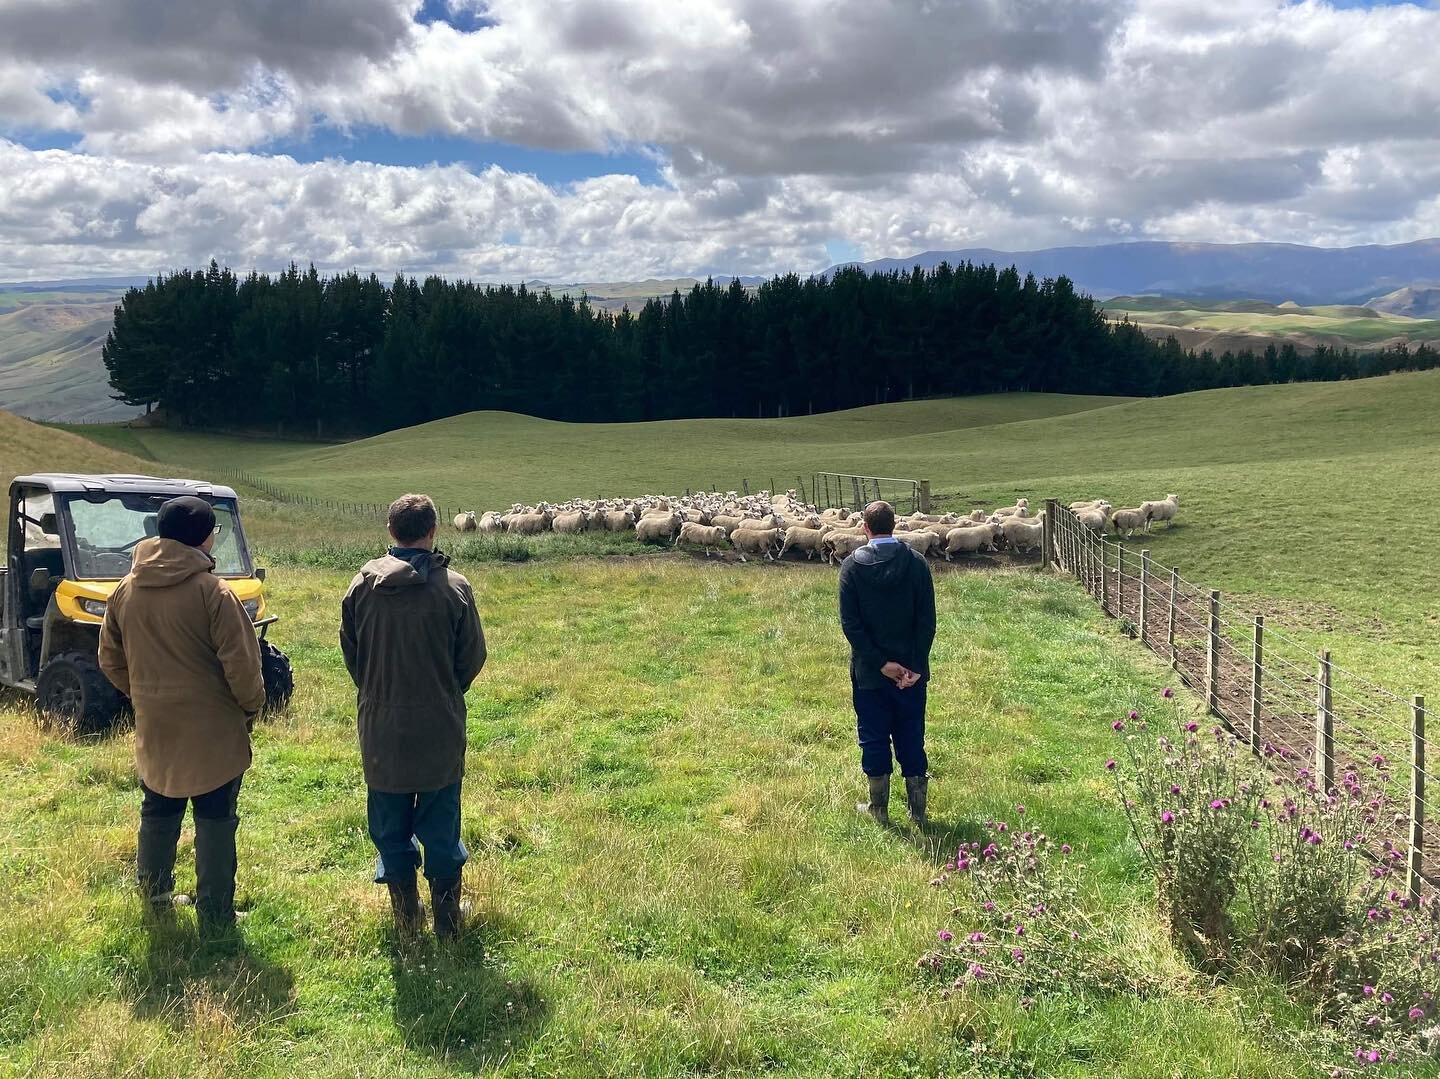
point(179, 644)
point(887, 610)
point(413, 644)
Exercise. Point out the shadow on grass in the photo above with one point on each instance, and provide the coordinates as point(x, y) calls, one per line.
point(185, 981)
point(938, 840)
point(456, 1000)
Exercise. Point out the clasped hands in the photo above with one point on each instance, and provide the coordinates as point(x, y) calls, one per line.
point(902, 676)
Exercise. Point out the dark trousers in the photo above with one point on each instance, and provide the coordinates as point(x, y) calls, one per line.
point(219, 804)
point(402, 824)
point(888, 717)
point(215, 861)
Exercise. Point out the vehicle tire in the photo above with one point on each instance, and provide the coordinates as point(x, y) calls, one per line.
point(279, 678)
point(72, 688)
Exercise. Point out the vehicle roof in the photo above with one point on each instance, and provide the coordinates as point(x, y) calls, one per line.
point(121, 483)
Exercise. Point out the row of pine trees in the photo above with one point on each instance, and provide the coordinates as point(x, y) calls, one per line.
point(302, 353)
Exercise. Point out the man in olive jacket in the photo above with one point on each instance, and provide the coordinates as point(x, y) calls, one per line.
point(887, 612)
point(179, 644)
point(413, 644)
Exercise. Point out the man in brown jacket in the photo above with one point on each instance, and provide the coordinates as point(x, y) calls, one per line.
point(178, 643)
point(413, 644)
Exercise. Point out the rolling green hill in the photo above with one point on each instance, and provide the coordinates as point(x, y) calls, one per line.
point(50, 355)
point(1237, 324)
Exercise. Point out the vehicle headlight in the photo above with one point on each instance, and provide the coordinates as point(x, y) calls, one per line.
point(94, 607)
point(252, 608)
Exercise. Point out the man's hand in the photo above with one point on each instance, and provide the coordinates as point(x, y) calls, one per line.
point(911, 677)
point(897, 674)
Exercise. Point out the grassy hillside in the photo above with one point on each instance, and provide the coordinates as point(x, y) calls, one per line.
point(1236, 324)
point(50, 355)
point(669, 874)
point(28, 447)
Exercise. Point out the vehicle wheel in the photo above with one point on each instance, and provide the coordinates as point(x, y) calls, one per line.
point(279, 678)
point(73, 688)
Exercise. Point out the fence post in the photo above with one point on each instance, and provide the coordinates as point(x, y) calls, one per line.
point(1170, 622)
point(1144, 595)
point(1257, 672)
point(924, 496)
point(1047, 533)
point(1120, 578)
point(1324, 728)
point(1417, 796)
point(1212, 655)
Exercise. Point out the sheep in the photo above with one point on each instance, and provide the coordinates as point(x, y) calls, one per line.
point(465, 522)
point(799, 538)
point(1163, 510)
point(490, 522)
point(922, 543)
point(971, 539)
point(707, 536)
point(654, 529)
point(1022, 534)
point(1126, 521)
point(839, 545)
point(756, 541)
point(1092, 518)
point(1020, 509)
point(1093, 504)
point(726, 520)
point(767, 523)
point(573, 521)
point(527, 524)
point(619, 521)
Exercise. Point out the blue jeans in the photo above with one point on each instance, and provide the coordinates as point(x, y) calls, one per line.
point(402, 824)
point(891, 716)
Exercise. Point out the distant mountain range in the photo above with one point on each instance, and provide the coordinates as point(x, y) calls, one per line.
point(1272, 272)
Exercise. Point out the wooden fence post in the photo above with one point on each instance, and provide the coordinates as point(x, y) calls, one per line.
point(1170, 622)
point(924, 496)
point(1047, 533)
point(1257, 672)
point(1324, 728)
point(1417, 797)
point(1212, 657)
point(1144, 595)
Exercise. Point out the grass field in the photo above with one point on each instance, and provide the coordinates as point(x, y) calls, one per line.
point(1317, 503)
point(669, 873)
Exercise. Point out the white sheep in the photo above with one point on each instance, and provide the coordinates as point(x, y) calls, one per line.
point(1022, 534)
point(619, 521)
point(922, 543)
point(708, 536)
point(838, 545)
point(1020, 509)
point(1163, 510)
point(1126, 521)
point(800, 538)
point(527, 524)
point(656, 528)
point(490, 522)
point(571, 521)
point(971, 539)
point(465, 522)
point(756, 541)
point(1092, 517)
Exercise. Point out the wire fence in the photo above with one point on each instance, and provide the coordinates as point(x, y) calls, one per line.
point(841, 489)
point(1303, 715)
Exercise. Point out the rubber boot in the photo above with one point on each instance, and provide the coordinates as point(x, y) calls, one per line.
point(449, 912)
point(155, 861)
point(878, 806)
point(917, 788)
point(405, 905)
point(215, 865)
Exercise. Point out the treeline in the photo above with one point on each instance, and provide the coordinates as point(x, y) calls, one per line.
point(302, 353)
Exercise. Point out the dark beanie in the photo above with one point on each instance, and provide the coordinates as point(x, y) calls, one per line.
point(187, 519)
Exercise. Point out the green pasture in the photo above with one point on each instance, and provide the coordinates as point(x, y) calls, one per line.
point(1336, 325)
point(668, 871)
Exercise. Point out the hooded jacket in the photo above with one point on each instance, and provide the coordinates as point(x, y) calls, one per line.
point(177, 641)
point(413, 644)
point(887, 610)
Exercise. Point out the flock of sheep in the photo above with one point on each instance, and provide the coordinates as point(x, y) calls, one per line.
point(770, 526)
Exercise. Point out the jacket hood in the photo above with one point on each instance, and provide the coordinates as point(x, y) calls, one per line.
point(881, 562)
point(160, 563)
point(390, 573)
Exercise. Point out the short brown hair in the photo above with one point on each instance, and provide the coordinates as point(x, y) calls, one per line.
point(412, 517)
point(880, 518)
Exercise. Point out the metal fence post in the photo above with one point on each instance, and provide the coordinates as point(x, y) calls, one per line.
point(1257, 672)
point(1417, 797)
point(1324, 727)
point(1170, 622)
point(1144, 595)
point(1212, 656)
point(1047, 533)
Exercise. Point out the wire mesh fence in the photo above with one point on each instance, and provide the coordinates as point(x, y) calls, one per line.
point(1303, 715)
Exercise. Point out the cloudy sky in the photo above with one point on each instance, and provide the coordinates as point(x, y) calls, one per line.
point(623, 139)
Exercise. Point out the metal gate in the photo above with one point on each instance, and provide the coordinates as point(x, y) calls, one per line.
point(855, 492)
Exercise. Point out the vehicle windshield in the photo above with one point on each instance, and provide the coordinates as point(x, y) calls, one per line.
point(106, 534)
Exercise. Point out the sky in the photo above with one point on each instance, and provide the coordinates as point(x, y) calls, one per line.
point(605, 140)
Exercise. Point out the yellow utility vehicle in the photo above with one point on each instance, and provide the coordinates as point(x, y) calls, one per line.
point(71, 539)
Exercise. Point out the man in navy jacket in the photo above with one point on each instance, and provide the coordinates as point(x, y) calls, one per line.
point(887, 610)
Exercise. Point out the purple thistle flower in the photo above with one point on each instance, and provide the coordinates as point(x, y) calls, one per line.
point(1019, 930)
point(945, 936)
point(1118, 725)
point(1166, 817)
point(1064, 848)
point(1369, 990)
point(977, 971)
point(1386, 998)
point(1134, 715)
point(1110, 765)
point(1417, 1014)
point(989, 905)
point(1218, 803)
point(977, 938)
point(1019, 957)
point(1019, 811)
point(1167, 693)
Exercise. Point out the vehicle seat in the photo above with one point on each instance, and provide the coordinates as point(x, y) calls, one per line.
point(52, 559)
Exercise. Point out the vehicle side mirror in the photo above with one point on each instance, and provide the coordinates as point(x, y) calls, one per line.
point(259, 573)
point(41, 580)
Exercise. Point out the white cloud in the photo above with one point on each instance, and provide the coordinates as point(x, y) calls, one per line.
point(892, 125)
